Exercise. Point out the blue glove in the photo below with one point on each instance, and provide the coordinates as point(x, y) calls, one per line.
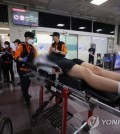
point(25, 59)
point(7, 52)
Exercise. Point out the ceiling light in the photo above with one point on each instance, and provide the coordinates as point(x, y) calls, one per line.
point(112, 32)
point(60, 25)
point(4, 28)
point(81, 28)
point(98, 2)
point(3, 34)
point(98, 30)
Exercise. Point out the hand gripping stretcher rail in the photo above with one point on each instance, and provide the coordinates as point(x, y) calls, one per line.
point(64, 87)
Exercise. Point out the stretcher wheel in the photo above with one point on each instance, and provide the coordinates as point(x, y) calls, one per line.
point(6, 126)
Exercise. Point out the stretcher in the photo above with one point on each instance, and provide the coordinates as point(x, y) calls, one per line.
point(65, 87)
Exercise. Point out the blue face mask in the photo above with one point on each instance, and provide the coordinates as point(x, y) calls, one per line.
point(30, 41)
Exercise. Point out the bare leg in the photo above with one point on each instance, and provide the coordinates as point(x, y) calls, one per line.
point(95, 81)
point(101, 72)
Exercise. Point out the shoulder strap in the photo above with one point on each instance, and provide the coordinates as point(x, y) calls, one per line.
point(25, 52)
point(60, 45)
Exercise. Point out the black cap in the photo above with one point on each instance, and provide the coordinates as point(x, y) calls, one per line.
point(29, 34)
point(7, 43)
point(55, 34)
point(17, 41)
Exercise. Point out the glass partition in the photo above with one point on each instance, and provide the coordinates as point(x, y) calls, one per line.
point(83, 46)
point(72, 43)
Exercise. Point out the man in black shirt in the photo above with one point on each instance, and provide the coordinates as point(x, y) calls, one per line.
point(91, 54)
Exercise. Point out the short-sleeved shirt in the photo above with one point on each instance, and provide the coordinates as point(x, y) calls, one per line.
point(20, 53)
point(61, 46)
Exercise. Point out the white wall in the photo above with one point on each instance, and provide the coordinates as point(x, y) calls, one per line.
point(44, 40)
point(83, 46)
point(4, 38)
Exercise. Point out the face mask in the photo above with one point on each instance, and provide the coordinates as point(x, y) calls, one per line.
point(30, 41)
point(6, 46)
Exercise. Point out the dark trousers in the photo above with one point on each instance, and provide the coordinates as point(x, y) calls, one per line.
point(3, 68)
point(18, 69)
point(91, 60)
point(9, 69)
point(0, 72)
point(25, 83)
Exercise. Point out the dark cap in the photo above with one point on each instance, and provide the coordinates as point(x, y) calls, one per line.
point(55, 34)
point(7, 43)
point(29, 34)
point(17, 41)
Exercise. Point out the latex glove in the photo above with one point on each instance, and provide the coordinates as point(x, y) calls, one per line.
point(57, 51)
point(7, 52)
point(24, 59)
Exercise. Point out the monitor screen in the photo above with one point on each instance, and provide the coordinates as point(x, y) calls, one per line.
point(24, 17)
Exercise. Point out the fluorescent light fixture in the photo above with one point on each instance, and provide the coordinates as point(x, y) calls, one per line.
point(81, 28)
point(3, 34)
point(98, 2)
point(112, 32)
point(98, 30)
point(4, 28)
point(60, 25)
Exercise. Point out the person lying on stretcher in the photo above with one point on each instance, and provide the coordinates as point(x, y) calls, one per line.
point(94, 76)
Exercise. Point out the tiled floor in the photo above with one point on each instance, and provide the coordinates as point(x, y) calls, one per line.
point(12, 105)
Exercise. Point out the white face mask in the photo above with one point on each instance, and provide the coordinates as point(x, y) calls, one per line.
point(30, 41)
point(6, 46)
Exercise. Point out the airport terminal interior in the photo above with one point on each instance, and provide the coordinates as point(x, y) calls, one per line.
point(59, 66)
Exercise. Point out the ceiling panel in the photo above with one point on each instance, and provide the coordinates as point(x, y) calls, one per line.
point(68, 6)
point(98, 13)
point(85, 6)
point(40, 3)
point(111, 3)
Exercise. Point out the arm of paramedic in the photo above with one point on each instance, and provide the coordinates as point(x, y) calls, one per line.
point(64, 49)
point(17, 53)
